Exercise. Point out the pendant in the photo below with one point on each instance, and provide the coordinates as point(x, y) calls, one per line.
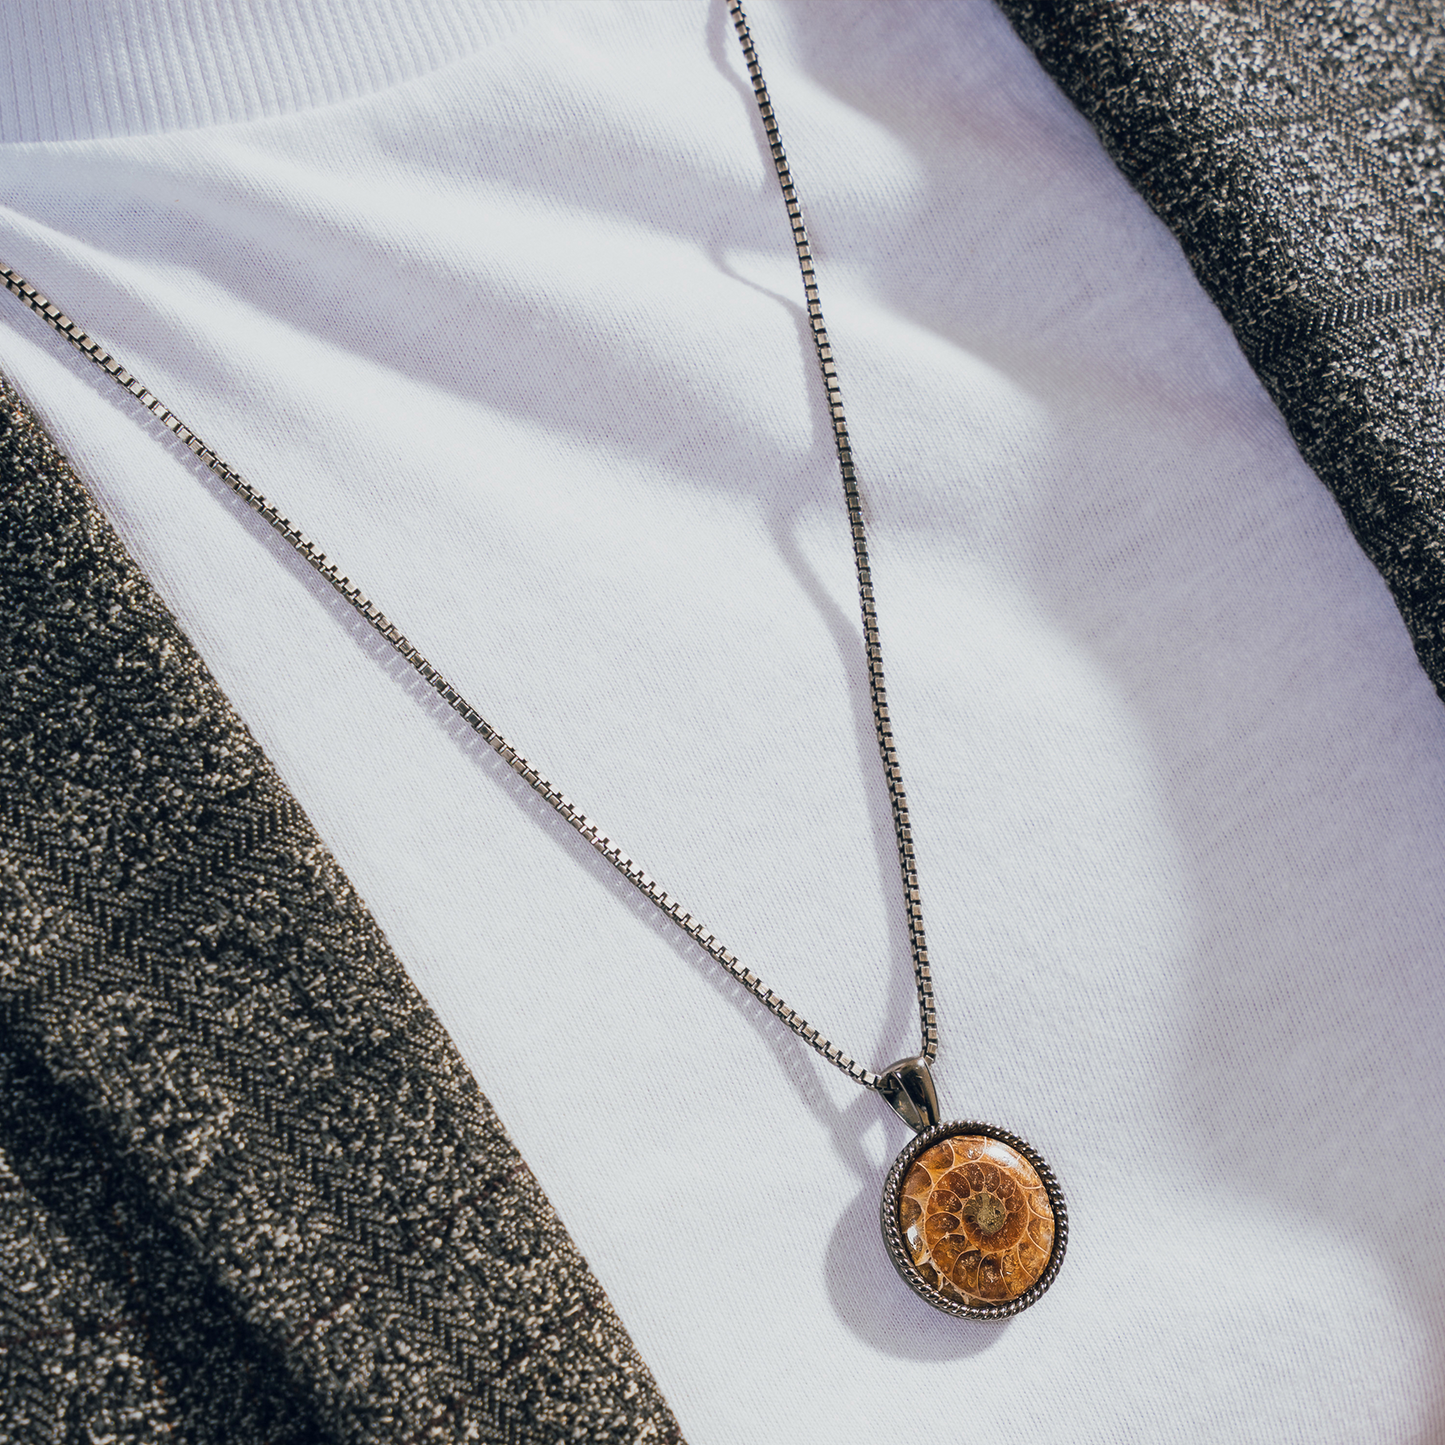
point(973, 1217)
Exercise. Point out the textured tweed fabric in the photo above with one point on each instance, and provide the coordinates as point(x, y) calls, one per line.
point(248, 1192)
point(1297, 152)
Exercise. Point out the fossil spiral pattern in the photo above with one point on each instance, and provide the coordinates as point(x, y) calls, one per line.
point(976, 1219)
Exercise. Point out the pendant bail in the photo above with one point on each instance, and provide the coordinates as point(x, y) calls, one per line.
point(908, 1087)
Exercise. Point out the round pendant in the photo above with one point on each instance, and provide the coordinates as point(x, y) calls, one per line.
point(974, 1220)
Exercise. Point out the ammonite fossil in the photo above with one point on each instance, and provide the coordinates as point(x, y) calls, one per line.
point(974, 1220)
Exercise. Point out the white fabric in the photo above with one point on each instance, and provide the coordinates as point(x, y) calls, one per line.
point(510, 324)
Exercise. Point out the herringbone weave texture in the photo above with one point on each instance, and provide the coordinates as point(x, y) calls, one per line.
point(1296, 150)
point(248, 1191)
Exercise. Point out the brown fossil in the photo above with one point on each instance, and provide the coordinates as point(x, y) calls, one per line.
point(976, 1219)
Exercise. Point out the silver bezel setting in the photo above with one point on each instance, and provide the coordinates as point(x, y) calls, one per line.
point(898, 1250)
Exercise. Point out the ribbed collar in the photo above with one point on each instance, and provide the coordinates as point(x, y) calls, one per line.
point(79, 69)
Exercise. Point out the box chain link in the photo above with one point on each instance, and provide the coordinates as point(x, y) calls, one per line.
point(630, 870)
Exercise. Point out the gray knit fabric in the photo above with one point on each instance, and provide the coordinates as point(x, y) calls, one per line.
point(1296, 150)
point(248, 1191)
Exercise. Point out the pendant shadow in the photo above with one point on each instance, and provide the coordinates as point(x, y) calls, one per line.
point(879, 1309)
point(864, 1289)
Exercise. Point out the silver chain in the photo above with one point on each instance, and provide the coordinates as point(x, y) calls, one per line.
point(634, 874)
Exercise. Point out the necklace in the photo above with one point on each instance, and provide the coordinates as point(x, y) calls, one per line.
point(972, 1216)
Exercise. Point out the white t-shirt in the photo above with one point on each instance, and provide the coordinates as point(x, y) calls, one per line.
point(497, 302)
